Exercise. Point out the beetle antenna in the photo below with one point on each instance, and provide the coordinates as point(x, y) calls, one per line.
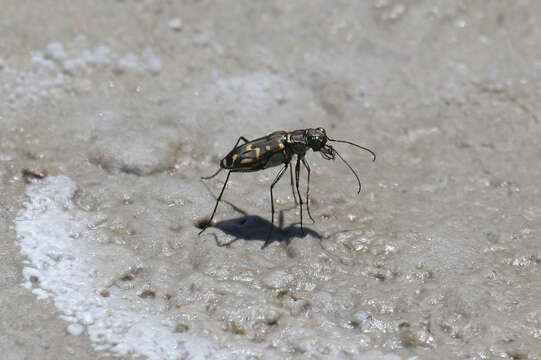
point(349, 166)
point(359, 146)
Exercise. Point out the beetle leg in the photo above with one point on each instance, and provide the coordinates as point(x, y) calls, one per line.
point(217, 201)
point(211, 176)
point(267, 242)
point(220, 169)
point(297, 171)
point(308, 189)
point(292, 188)
point(243, 139)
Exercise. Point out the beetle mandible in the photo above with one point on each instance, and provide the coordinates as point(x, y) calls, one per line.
point(276, 149)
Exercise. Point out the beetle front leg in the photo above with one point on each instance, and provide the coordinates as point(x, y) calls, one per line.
point(267, 242)
point(292, 187)
point(297, 171)
point(308, 190)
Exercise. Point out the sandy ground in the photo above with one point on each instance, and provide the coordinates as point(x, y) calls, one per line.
point(126, 104)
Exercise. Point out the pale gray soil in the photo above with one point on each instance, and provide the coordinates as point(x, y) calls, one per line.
point(438, 257)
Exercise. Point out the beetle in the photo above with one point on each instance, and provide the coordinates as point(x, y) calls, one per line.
point(276, 149)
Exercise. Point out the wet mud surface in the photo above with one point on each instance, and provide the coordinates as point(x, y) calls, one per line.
point(112, 112)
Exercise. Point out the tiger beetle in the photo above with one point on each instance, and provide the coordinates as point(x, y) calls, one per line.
point(276, 149)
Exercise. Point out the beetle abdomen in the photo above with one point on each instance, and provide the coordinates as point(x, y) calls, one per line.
point(257, 154)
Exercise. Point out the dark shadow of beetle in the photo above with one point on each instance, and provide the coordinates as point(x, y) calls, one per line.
point(253, 227)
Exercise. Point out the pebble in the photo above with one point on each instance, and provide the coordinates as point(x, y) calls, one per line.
point(101, 55)
point(271, 317)
point(75, 329)
point(154, 64)
point(56, 51)
point(128, 63)
point(372, 355)
point(278, 279)
point(175, 24)
point(391, 356)
point(40, 293)
point(39, 62)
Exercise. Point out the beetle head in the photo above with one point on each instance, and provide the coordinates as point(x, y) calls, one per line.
point(316, 138)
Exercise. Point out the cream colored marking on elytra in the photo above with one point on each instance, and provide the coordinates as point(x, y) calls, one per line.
point(246, 161)
point(224, 163)
point(267, 147)
point(281, 146)
point(234, 157)
point(249, 147)
point(257, 151)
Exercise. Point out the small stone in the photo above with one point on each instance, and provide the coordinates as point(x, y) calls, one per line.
point(40, 293)
point(75, 329)
point(101, 55)
point(361, 320)
point(298, 306)
point(371, 355)
point(181, 328)
point(147, 293)
point(38, 61)
point(34, 173)
point(278, 279)
point(154, 64)
point(175, 24)
point(175, 227)
point(128, 63)
point(391, 356)
point(73, 66)
point(56, 51)
point(127, 277)
point(201, 40)
point(271, 317)
point(237, 329)
point(86, 318)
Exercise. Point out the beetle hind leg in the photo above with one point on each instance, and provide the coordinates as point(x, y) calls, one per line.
point(211, 176)
point(217, 202)
point(220, 169)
